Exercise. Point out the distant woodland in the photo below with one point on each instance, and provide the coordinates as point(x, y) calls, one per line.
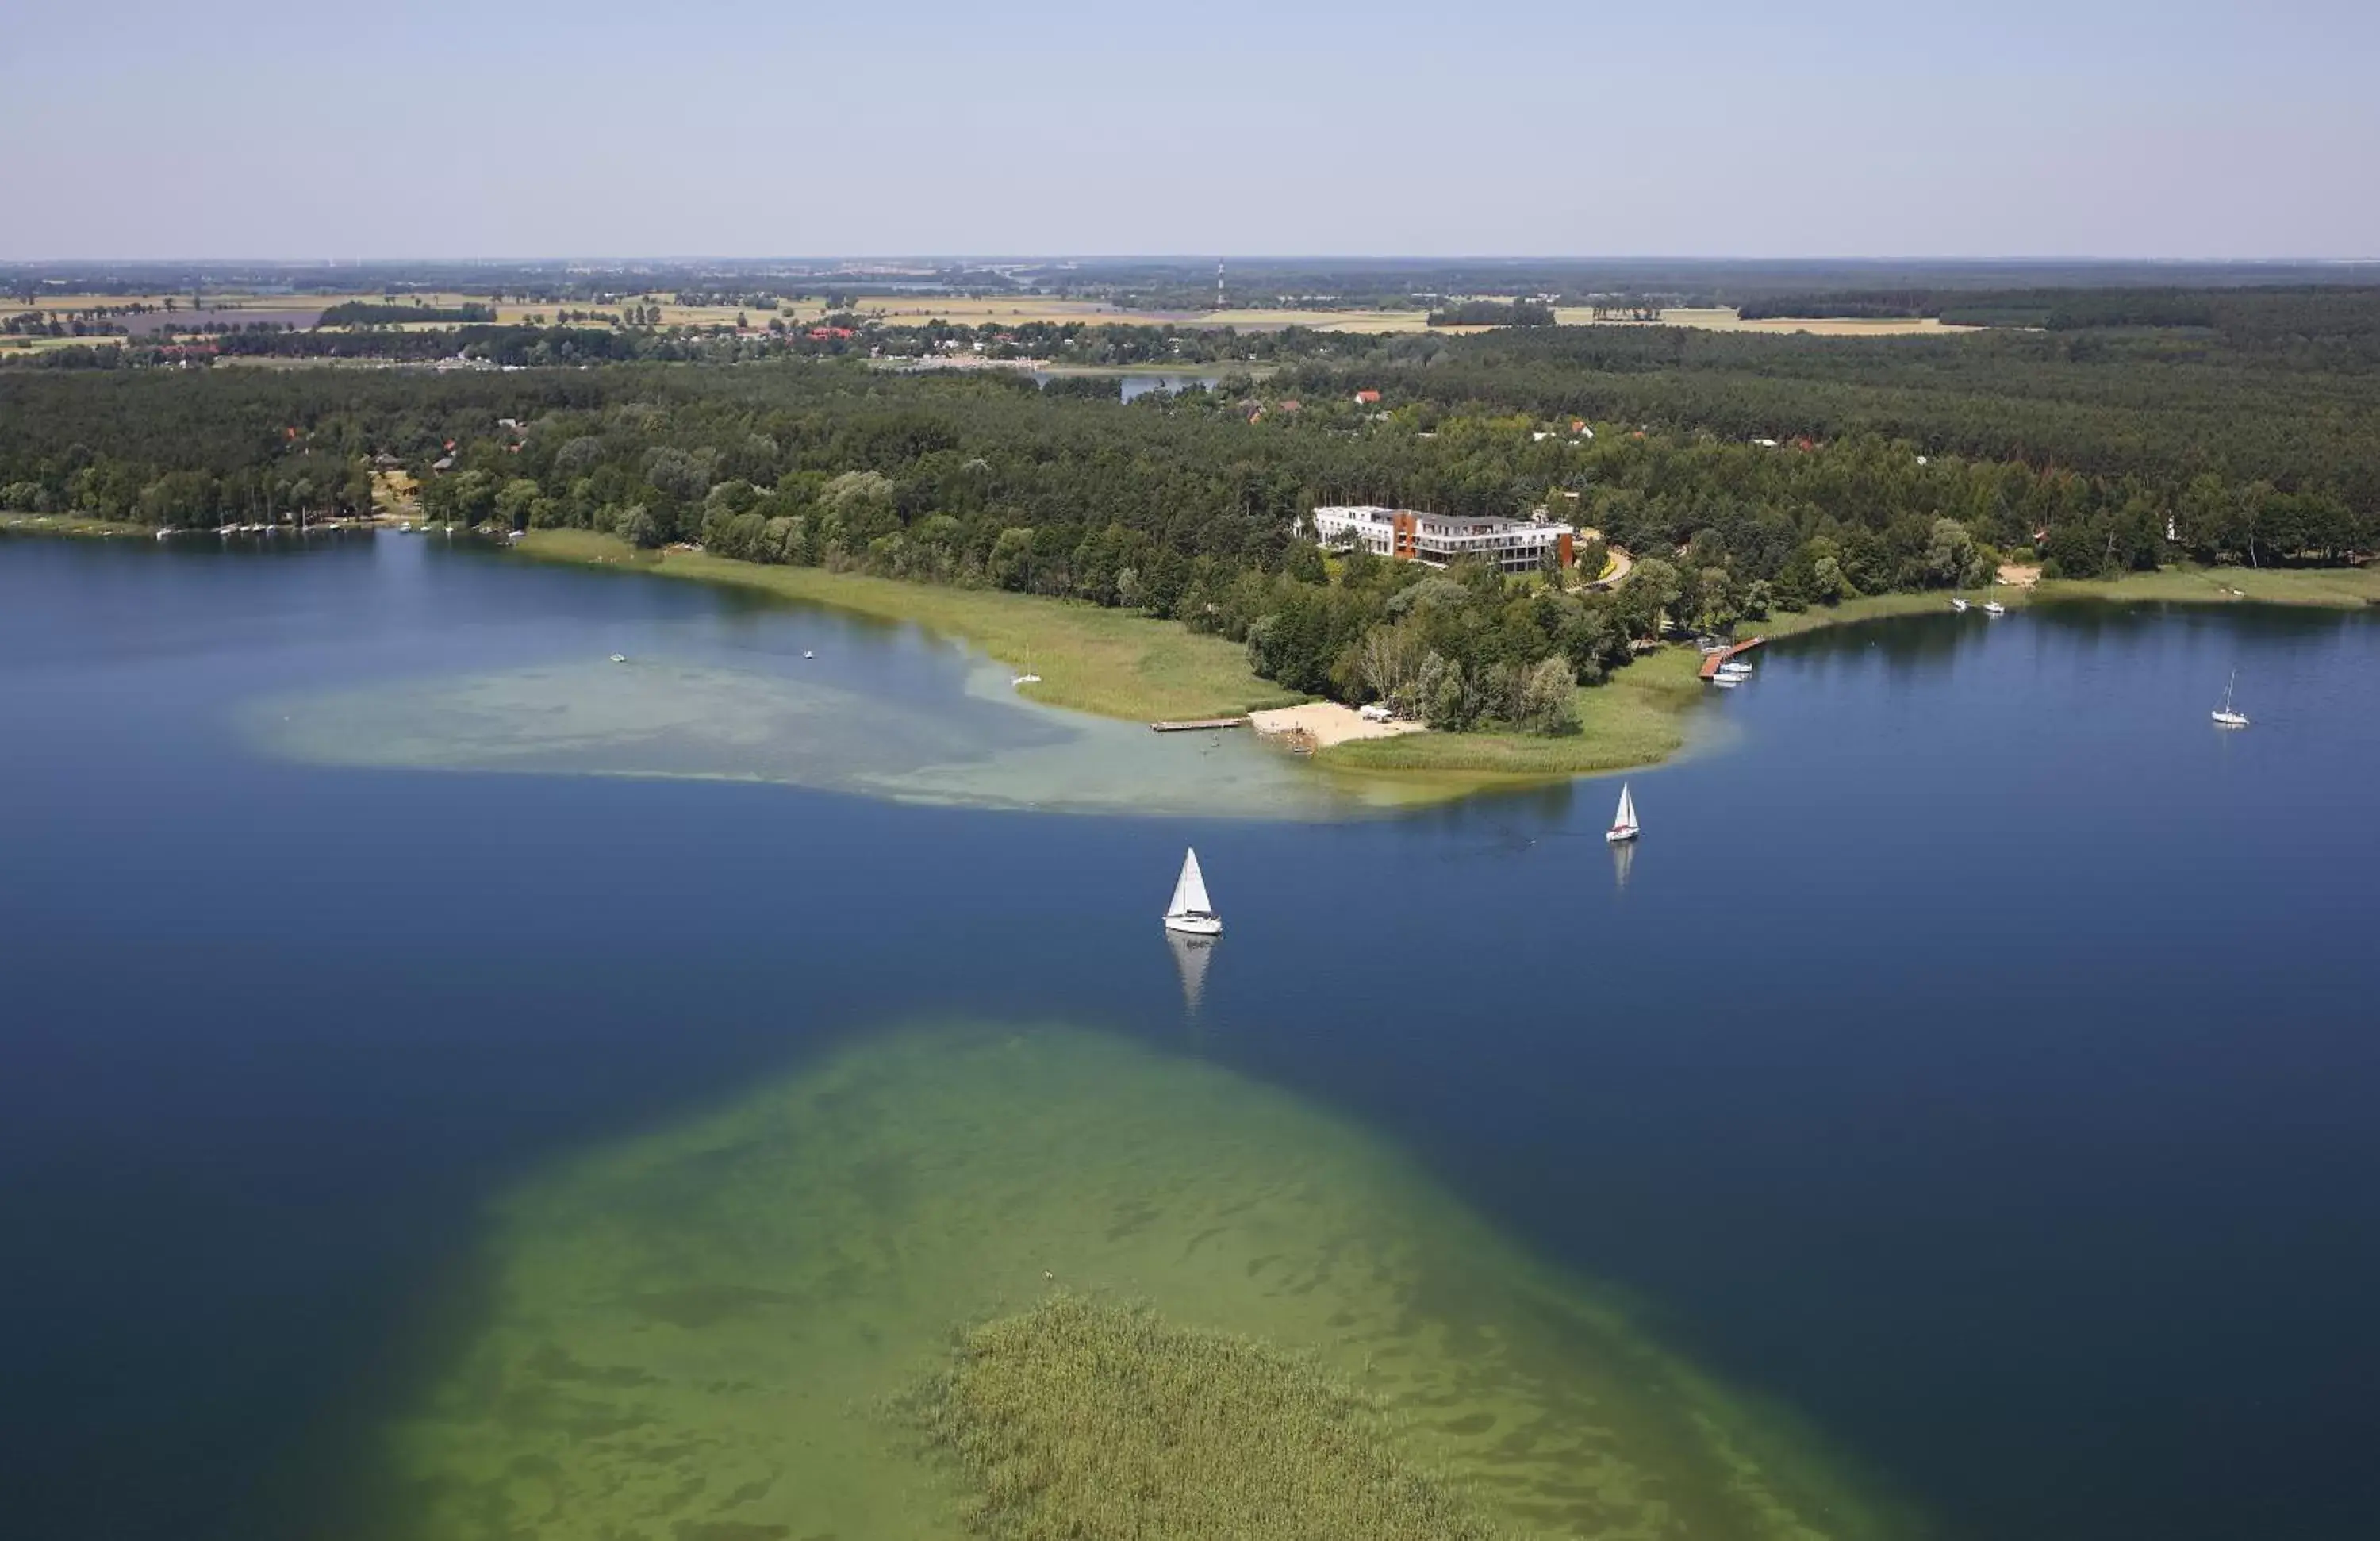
point(1744, 472)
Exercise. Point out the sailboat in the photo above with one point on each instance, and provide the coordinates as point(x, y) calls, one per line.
point(2224, 716)
point(1994, 607)
point(1959, 603)
point(1623, 823)
point(1190, 911)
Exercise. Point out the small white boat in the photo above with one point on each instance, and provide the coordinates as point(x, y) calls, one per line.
point(806, 653)
point(2224, 716)
point(1735, 671)
point(619, 658)
point(1190, 911)
point(1623, 823)
point(1959, 605)
point(1994, 607)
point(1025, 679)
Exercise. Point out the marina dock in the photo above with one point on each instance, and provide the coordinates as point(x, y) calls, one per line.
point(1711, 660)
point(1196, 725)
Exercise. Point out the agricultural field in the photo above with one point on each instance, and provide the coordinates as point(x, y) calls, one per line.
point(1724, 319)
point(1019, 309)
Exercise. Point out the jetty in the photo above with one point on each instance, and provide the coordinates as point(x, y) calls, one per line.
point(1197, 724)
point(1717, 656)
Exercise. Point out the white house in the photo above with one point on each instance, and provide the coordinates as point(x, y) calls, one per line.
point(1437, 540)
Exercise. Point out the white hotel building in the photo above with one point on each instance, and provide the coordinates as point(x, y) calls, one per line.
point(1436, 539)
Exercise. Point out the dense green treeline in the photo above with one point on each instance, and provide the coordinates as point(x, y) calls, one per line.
point(2249, 319)
point(2162, 407)
point(1743, 473)
point(357, 313)
point(1494, 313)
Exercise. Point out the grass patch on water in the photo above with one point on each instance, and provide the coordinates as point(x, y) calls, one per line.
point(1096, 1422)
point(1109, 661)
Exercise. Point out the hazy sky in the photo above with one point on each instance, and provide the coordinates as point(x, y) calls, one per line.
point(2203, 129)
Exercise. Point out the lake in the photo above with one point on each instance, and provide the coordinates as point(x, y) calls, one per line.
point(455, 1083)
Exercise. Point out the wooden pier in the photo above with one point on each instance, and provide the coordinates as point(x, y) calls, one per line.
point(1198, 724)
point(1711, 660)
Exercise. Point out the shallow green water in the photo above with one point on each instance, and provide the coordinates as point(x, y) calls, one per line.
point(691, 1334)
point(969, 742)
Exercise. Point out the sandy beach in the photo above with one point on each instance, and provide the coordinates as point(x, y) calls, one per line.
point(1327, 722)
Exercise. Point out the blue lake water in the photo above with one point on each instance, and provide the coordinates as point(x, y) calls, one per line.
point(1976, 1060)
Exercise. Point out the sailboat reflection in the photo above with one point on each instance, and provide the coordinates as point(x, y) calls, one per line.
point(1191, 955)
point(1623, 856)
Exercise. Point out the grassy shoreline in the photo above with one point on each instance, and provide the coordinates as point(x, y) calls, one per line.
point(1115, 664)
point(1109, 662)
point(69, 525)
point(2310, 587)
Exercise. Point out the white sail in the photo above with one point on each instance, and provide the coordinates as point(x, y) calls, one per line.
point(1626, 818)
point(1190, 890)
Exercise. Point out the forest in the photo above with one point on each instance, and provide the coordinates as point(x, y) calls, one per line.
point(1494, 313)
point(357, 313)
point(1745, 473)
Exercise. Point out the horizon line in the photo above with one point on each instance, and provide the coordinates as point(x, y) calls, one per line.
point(964, 257)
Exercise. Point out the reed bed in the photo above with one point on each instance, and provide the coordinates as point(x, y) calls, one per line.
point(1092, 1422)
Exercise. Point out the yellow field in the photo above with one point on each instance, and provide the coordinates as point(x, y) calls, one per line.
point(1724, 319)
point(264, 305)
point(900, 310)
point(39, 344)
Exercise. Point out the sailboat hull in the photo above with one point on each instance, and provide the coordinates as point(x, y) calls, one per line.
point(1620, 837)
point(2230, 718)
point(1195, 925)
